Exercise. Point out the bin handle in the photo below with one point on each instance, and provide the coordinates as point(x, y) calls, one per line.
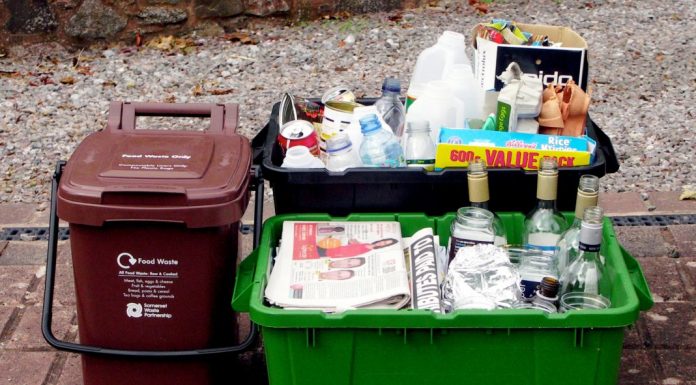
point(47, 314)
point(223, 117)
point(640, 284)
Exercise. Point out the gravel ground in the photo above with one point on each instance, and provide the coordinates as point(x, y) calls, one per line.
point(642, 70)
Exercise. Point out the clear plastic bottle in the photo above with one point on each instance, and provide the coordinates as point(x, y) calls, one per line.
point(419, 149)
point(544, 225)
point(379, 148)
point(477, 181)
point(588, 195)
point(390, 107)
point(341, 153)
point(472, 226)
point(585, 274)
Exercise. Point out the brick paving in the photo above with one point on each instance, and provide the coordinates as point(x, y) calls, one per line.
point(659, 349)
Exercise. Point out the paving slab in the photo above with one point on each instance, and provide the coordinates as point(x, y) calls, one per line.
point(671, 325)
point(72, 371)
point(64, 289)
point(16, 213)
point(643, 241)
point(638, 367)
point(5, 313)
point(677, 366)
point(632, 337)
point(664, 279)
point(688, 268)
point(668, 202)
point(27, 334)
point(626, 203)
point(685, 239)
point(25, 368)
point(14, 282)
point(24, 253)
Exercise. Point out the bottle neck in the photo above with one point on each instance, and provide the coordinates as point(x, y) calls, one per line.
point(547, 185)
point(583, 201)
point(480, 205)
point(546, 204)
point(478, 189)
point(590, 240)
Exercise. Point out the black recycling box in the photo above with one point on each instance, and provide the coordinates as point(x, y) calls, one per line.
point(367, 189)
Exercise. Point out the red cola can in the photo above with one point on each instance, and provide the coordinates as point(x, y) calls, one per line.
point(299, 133)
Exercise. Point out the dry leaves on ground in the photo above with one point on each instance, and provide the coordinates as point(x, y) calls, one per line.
point(241, 37)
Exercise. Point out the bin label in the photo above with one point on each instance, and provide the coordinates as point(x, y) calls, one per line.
point(148, 285)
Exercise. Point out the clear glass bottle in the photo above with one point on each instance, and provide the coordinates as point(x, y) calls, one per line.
point(341, 153)
point(472, 226)
point(419, 149)
point(390, 107)
point(534, 268)
point(545, 224)
point(477, 181)
point(585, 274)
point(379, 148)
point(588, 195)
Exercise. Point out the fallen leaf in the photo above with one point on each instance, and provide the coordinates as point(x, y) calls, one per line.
point(482, 8)
point(221, 91)
point(660, 57)
point(84, 70)
point(9, 74)
point(198, 90)
point(67, 80)
point(340, 69)
point(138, 39)
point(170, 99)
point(396, 17)
point(687, 194)
point(241, 37)
point(341, 44)
point(109, 83)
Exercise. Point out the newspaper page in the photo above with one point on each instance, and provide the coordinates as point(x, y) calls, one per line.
point(422, 255)
point(335, 266)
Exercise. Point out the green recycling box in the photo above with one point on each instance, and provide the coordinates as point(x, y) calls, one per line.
point(377, 347)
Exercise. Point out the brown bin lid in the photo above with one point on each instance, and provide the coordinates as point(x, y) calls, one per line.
point(198, 178)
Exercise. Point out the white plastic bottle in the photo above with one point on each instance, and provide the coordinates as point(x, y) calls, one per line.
point(439, 107)
point(461, 80)
point(342, 154)
point(419, 148)
point(434, 62)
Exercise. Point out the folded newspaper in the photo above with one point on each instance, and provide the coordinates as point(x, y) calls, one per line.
point(336, 266)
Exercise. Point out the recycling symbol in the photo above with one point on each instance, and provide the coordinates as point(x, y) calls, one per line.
point(126, 260)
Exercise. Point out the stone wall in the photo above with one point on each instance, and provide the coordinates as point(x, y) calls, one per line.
point(82, 22)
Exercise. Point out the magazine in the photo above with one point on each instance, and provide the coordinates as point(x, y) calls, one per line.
point(336, 266)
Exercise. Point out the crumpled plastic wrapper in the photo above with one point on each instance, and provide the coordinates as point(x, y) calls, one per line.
point(481, 277)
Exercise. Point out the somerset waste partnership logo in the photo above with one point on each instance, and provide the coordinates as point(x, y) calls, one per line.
point(134, 310)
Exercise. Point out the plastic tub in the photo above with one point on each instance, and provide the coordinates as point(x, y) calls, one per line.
point(409, 190)
point(376, 347)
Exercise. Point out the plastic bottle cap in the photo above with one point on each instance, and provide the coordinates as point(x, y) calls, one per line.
point(391, 85)
point(299, 157)
point(338, 143)
point(369, 123)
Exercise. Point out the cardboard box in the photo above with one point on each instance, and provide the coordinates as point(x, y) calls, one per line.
point(510, 149)
point(551, 64)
